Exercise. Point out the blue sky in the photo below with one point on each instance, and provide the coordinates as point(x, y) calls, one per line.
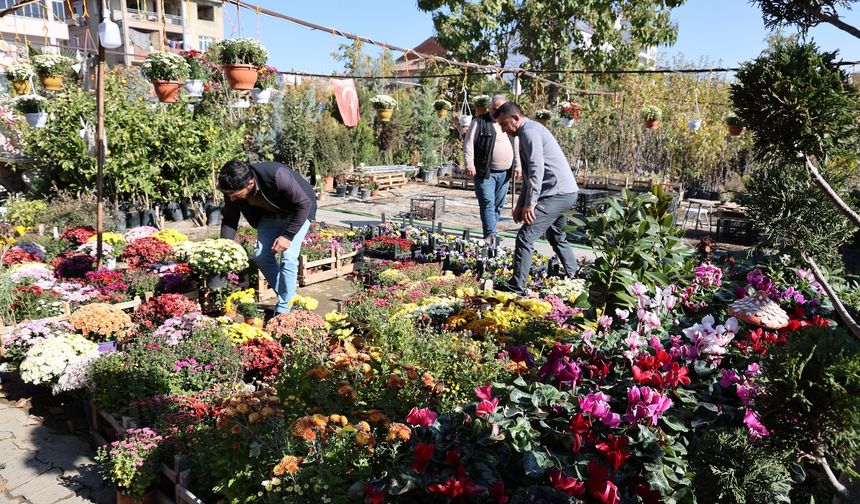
point(710, 31)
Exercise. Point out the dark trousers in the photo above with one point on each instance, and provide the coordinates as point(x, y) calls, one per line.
point(549, 221)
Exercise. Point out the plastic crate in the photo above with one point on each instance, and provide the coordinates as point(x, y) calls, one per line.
point(427, 207)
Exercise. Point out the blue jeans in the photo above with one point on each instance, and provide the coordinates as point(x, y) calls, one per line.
point(491, 193)
point(281, 275)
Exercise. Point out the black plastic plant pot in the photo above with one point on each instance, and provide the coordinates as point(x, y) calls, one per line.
point(340, 191)
point(132, 218)
point(213, 215)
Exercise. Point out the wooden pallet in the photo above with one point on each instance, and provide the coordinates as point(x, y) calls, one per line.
point(456, 181)
point(387, 181)
point(311, 272)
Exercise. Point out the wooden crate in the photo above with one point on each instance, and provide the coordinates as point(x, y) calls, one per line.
point(456, 181)
point(311, 272)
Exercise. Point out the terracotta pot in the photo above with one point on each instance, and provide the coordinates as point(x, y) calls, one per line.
point(21, 87)
point(122, 498)
point(374, 193)
point(652, 124)
point(542, 121)
point(241, 76)
point(328, 184)
point(735, 129)
point(254, 322)
point(166, 91)
point(442, 113)
point(52, 82)
point(384, 115)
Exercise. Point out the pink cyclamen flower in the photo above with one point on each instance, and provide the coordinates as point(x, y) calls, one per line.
point(645, 403)
point(596, 404)
point(622, 314)
point(487, 408)
point(757, 430)
point(484, 393)
point(423, 417)
point(604, 321)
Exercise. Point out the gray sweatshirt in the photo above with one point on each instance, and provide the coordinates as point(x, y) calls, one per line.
point(546, 171)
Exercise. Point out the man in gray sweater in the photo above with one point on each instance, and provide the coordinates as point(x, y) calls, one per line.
point(549, 189)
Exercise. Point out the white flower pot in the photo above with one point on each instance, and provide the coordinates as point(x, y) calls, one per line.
point(261, 95)
point(240, 104)
point(566, 123)
point(694, 124)
point(110, 263)
point(194, 87)
point(37, 120)
point(465, 120)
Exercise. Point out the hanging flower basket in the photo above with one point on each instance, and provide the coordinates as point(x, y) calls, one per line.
point(442, 107)
point(652, 116)
point(50, 68)
point(32, 107)
point(384, 106)
point(261, 95)
point(734, 125)
point(21, 87)
point(19, 74)
point(166, 91)
point(194, 87)
point(694, 125)
point(571, 110)
point(52, 82)
point(37, 119)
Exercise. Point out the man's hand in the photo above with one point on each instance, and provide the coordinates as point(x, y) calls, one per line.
point(518, 214)
point(518, 174)
point(470, 171)
point(529, 215)
point(281, 244)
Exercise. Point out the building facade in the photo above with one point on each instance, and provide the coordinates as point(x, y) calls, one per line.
point(40, 24)
point(150, 25)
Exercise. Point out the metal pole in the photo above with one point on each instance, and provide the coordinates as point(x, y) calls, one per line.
point(100, 144)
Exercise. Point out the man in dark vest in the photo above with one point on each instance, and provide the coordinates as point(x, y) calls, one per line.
point(280, 204)
point(492, 157)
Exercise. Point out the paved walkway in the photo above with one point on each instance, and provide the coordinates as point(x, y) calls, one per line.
point(43, 463)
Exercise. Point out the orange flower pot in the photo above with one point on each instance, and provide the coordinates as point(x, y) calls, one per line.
point(652, 124)
point(52, 82)
point(166, 91)
point(328, 184)
point(241, 76)
point(384, 115)
point(442, 113)
point(21, 87)
point(735, 129)
point(122, 498)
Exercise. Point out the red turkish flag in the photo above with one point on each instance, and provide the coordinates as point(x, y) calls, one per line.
point(347, 100)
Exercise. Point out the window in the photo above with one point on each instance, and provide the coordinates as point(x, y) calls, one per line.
point(59, 10)
point(205, 12)
point(204, 42)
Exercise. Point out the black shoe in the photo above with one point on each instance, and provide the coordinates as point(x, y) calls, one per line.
point(268, 314)
point(507, 287)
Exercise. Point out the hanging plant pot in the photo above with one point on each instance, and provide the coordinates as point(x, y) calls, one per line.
point(166, 91)
point(194, 87)
point(442, 113)
point(465, 120)
point(328, 183)
point(542, 121)
point(21, 87)
point(261, 95)
point(216, 281)
point(566, 123)
point(694, 124)
point(37, 119)
point(652, 123)
point(735, 129)
point(241, 77)
point(384, 115)
point(52, 82)
point(479, 111)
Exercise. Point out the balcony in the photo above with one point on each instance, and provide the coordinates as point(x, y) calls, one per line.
point(152, 16)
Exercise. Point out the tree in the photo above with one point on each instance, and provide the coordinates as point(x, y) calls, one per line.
point(805, 14)
point(558, 34)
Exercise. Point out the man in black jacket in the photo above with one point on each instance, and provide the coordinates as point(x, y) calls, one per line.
point(280, 204)
point(492, 158)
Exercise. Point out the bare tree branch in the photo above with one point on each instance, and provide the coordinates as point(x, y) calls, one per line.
point(832, 19)
point(831, 294)
point(828, 190)
point(839, 489)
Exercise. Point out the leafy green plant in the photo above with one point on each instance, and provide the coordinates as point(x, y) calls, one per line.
point(482, 101)
point(730, 468)
point(240, 51)
point(795, 99)
point(27, 213)
point(30, 104)
point(165, 66)
point(733, 120)
point(635, 241)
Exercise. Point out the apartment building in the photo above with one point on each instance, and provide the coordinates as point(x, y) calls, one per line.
point(40, 24)
point(150, 25)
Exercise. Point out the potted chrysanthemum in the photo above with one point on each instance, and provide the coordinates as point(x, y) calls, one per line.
point(384, 106)
point(32, 107)
point(240, 58)
point(50, 68)
point(196, 73)
point(442, 106)
point(212, 260)
point(19, 74)
point(543, 116)
point(652, 116)
point(131, 465)
point(265, 85)
point(165, 70)
point(569, 111)
point(482, 104)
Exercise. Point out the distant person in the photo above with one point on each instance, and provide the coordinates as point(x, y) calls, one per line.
point(491, 158)
point(280, 204)
point(549, 189)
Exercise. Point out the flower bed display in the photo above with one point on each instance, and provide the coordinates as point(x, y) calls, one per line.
point(327, 254)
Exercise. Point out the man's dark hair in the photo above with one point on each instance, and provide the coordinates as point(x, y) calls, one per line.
point(508, 108)
point(234, 176)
